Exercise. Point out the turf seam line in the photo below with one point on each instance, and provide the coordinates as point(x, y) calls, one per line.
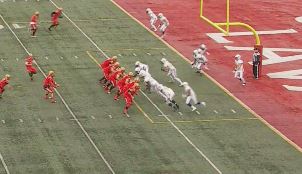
point(217, 83)
point(62, 99)
point(4, 164)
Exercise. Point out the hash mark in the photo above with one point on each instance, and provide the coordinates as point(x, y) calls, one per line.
point(198, 112)
point(109, 116)
point(180, 113)
point(233, 111)
point(216, 112)
point(3, 121)
point(21, 121)
point(149, 54)
point(92, 117)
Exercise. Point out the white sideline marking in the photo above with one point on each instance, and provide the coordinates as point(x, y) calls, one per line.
point(198, 112)
point(167, 118)
point(3, 121)
point(233, 111)
point(109, 116)
point(149, 54)
point(180, 113)
point(4, 164)
point(93, 117)
point(216, 112)
point(62, 99)
point(21, 121)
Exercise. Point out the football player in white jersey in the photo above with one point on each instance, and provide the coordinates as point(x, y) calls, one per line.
point(204, 53)
point(164, 23)
point(239, 69)
point(191, 98)
point(151, 84)
point(168, 67)
point(139, 67)
point(153, 18)
point(168, 94)
point(198, 61)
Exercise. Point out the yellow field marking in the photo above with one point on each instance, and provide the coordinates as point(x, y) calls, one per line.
point(144, 113)
point(213, 80)
point(138, 107)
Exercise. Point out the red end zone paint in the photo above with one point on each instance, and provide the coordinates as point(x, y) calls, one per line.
point(267, 97)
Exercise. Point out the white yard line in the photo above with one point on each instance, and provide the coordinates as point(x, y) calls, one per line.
point(4, 164)
point(167, 118)
point(64, 102)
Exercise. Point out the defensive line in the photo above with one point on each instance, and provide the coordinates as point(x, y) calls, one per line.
point(187, 139)
point(63, 100)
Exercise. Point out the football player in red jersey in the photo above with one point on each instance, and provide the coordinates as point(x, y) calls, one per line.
point(104, 66)
point(49, 86)
point(29, 66)
point(55, 18)
point(113, 79)
point(121, 83)
point(3, 83)
point(129, 96)
point(34, 23)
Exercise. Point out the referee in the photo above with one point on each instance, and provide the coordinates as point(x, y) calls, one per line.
point(256, 63)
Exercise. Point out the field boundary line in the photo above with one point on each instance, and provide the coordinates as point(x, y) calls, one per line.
point(138, 107)
point(188, 140)
point(4, 164)
point(64, 102)
point(216, 82)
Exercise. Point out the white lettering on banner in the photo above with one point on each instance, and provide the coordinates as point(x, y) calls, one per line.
point(299, 19)
point(219, 37)
point(269, 53)
point(293, 74)
point(293, 88)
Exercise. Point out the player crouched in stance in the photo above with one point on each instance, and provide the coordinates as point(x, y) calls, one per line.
point(3, 83)
point(129, 91)
point(113, 78)
point(106, 67)
point(238, 70)
point(33, 25)
point(190, 96)
point(168, 94)
point(55, 18)
point(49, 86)
point(29, 66)
point(125, 79)
point(153, 18)
point(140, 67)
point(168, 67)
point(164, 23)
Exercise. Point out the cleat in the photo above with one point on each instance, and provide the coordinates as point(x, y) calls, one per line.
point(54, 101)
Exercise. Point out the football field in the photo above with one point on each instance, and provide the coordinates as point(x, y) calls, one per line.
point(85, 132)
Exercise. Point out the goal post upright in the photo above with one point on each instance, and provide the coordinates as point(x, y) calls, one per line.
point(227, 24)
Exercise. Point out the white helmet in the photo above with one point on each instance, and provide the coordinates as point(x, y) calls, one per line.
point(203, 46)
point(137, 63)
point(185, 83)
point(160, 15)
point(195, 51)
point(148, 10)
point(237, 56)
point(163, 60)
